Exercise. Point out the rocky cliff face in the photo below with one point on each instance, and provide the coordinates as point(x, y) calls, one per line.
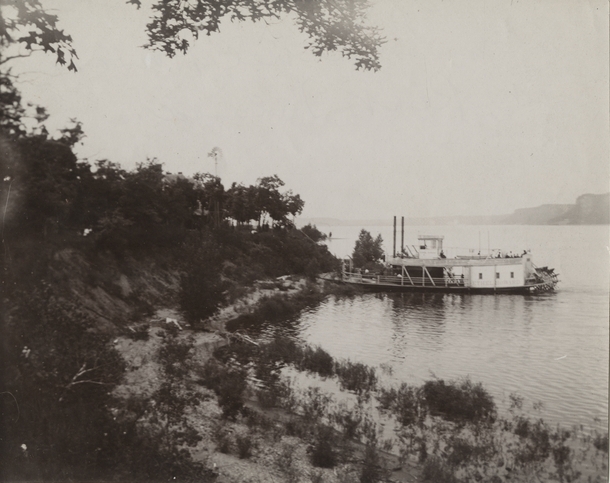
point(589, 209)
point(540, 215)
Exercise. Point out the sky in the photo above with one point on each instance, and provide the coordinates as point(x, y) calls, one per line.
point(481, 107)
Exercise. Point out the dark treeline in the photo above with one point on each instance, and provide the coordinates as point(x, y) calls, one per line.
point(52, 192)
point(59, 417)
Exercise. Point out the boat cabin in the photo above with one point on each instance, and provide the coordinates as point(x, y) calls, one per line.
point(430, 246)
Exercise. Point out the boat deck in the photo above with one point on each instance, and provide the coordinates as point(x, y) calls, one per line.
point(454, 262)
point(407, 283)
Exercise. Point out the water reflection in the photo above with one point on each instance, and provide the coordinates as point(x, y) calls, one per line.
point(552, 349)
point(416, 317)
point(417, 301)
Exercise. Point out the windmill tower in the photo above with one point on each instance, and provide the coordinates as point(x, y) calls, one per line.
point(216, 153)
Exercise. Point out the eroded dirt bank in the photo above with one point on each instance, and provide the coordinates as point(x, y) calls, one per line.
point(262, 446)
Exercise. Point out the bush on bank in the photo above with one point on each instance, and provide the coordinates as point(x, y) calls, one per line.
point(452, 428)
point(459, 400)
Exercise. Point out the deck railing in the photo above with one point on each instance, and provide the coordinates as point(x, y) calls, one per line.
point(403, 280)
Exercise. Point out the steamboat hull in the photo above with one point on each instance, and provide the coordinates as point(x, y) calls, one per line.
point(372, 286)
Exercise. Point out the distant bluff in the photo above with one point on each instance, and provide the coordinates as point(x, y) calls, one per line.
point(589, 209)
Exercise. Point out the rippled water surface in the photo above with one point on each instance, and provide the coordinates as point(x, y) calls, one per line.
point(551, 348)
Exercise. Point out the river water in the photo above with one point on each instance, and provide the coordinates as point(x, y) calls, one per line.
point(550, 348)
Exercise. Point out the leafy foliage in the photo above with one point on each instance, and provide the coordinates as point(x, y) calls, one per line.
point(201, 289)
point(356, 377)
point(174, 395)
point(25, 22)
point(406, 402)
point(229, 384)
point(330, 25)
point(312, 232)
point(463, 400)
point(367, 250)
point(61, 370)
point(324, 453)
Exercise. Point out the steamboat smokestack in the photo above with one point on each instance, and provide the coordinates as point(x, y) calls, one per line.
point(394, 251)
point(402, 234)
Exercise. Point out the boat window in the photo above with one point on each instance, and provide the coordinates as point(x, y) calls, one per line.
point(480, 276)
point(497, 274)
point(512, 274)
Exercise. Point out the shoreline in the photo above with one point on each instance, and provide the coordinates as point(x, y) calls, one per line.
point(262, 463)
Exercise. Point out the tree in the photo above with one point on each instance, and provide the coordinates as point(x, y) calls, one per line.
point(24, 23)
point(312, 232)
point(11, 108)
point(201, 287)
point(331, 25)
point(241, 203)
point(61, 372)
point(294, 203)
point(275, 204)
point(45, 174)
point(214, 195)
point(367, 251)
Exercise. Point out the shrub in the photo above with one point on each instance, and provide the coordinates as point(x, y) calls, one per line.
point(244, 445)
point(282, 349)
point(356, 377)
point(459, 400)
point(372, 471)
point(229, 386)
point(323, 454)
point(314, 404)
point(231, 393)
point(223, 439)
point(317, 360)
point(201, 287)
point(350, 421)
point(286, 461)
point(243, 322)
point(235, 292)
point(277, 394)
point(312, 269)
point(600, 441)
point(298, 427)
point(535, 439)
point(461, 451)
point(406, 402)
point(435, 470)
point(257, 419)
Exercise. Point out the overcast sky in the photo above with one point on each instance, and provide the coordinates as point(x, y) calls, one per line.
point(481, 107)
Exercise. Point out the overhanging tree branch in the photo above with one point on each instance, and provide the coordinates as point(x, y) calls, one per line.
point(331, 25)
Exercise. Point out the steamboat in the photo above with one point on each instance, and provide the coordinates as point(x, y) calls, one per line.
point(425, 267)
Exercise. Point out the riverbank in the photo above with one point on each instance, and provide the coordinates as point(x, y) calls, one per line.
point(173, 396)
point(263, 444)
point(300, 416)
